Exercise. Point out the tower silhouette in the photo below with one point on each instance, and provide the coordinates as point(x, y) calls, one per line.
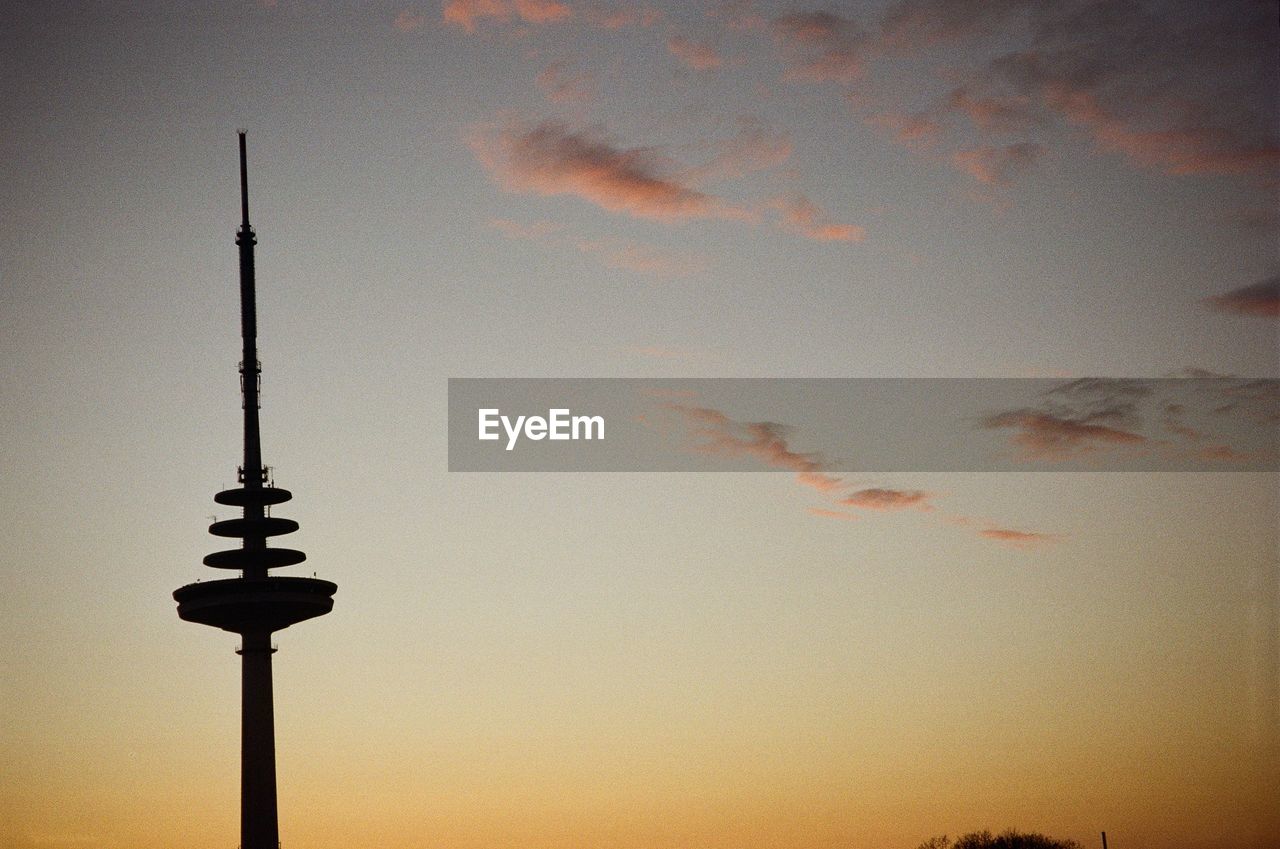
point(254, 604)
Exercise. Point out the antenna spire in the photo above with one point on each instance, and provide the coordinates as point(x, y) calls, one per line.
point(244, 184)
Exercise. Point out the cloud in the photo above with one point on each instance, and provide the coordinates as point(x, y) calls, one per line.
point(559, 85)
point(1223, 453)
point(753, 148)
point(624, 16)
point(552, 159)
point(914, 24)
point(996, 114)
point(1018, 539)
point(1175, 150)
point(1261, 298)
point(823, 46)
point(877, 498)
point(1045, 436)
point(800, 215)
point(408, 20)
point(465, 13)
point(917, 130)
point(715, 433)
point(765, 441)
point(694, 54)
point(1186, 90)
point(997, 166)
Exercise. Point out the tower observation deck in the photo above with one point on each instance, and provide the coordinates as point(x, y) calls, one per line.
point(254, 604)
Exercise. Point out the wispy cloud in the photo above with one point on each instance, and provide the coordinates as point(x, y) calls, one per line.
point(715, 433)
point(800, 215)
point(1077, 418)
point(1000, 165)
point(550, 158)
point(754, 147)
point(1010, 113)
point(1045, 436)
point(1261, 298)
point(917, 130)
point(1018, 539)
point(697, 55)
point(466, 13)
point(1175, 150)
point(621, 17)
point(821, 46)
point(887, 500)
point(915, 24)
point(766, 441)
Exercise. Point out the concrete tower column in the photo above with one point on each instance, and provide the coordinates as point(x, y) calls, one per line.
point(259, 828)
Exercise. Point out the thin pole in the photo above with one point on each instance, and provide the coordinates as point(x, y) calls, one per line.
point(253, 473)
point(1104, 840)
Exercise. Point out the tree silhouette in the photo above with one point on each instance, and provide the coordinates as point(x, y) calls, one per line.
point(1011, 839)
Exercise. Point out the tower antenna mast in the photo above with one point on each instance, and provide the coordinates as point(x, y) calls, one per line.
point(255, 604)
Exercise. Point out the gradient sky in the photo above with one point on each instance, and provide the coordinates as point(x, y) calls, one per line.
point(519, 188)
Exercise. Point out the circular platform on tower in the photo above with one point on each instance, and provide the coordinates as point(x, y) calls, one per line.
point(254, 558)
point(267, 526)
point(245, 496)
point(242, 605)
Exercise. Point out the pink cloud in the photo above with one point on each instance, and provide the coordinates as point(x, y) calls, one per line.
point(1018, 539)
point(801, 215)
point(913, 130)
point(542, 11)
point(765, 441)
point(551, 159)
point(1012, 113)
point(825, 47)
point(1261, 299)
point(997, 166)
point(1177, 151)
point(694, 54)
point(408, 20)
point(619, 18)
point(465, 13)
point(877, 498)
point(1046, 436)
point(753, 148)
point(1222, 453)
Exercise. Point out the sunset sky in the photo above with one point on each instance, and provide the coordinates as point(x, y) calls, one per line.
point(807, 658)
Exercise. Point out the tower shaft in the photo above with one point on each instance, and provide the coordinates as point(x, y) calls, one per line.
point(259, 827)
